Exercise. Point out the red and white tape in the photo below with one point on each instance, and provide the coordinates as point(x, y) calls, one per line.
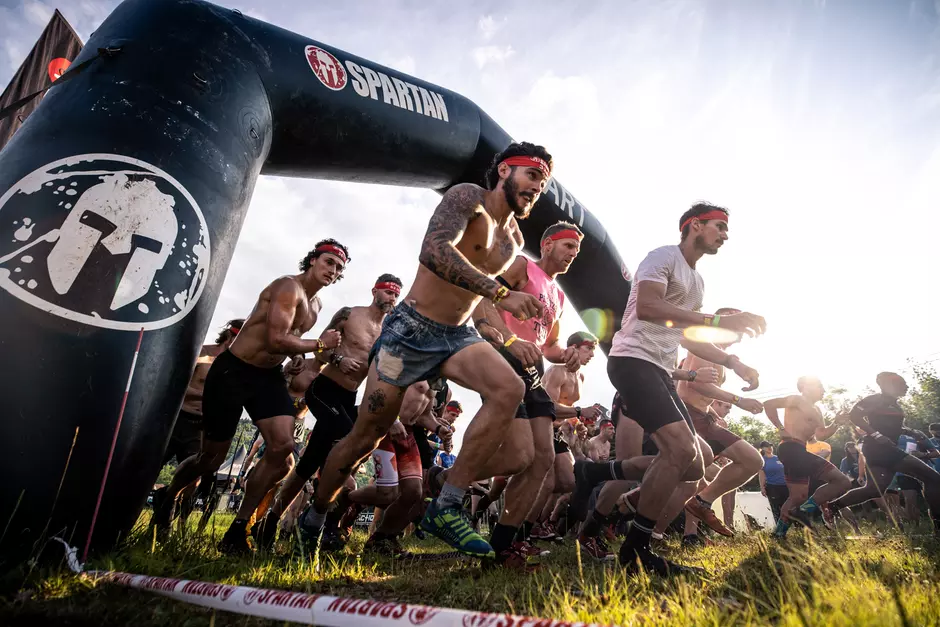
point(318, 609)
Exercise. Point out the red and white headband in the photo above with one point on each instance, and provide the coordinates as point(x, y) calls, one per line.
point(530, 162)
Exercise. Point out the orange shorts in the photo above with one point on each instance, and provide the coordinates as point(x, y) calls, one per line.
point(397, 459)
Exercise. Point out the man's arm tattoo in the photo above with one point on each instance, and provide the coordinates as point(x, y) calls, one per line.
point(339, 317)
point(438, 253)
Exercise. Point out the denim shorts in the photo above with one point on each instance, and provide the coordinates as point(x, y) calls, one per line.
point(412, 347)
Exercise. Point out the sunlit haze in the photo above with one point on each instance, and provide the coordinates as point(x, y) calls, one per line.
point(815, 123)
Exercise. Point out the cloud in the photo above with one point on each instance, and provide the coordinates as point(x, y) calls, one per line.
point(404, 64)
point(37, 13)
point(485, 55)
point(489, 27)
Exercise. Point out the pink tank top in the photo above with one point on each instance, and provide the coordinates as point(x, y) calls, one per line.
point(540, 285)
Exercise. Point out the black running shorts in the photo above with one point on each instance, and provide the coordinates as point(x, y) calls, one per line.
point(799, 465)
point(334, 407)
point(647, 393)
point(231, 385)
point(536, 403)
point(881, 455)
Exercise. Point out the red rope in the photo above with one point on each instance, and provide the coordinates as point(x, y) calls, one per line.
point(117, 430)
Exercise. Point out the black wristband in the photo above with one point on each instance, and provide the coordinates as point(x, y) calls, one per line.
point(578, 410)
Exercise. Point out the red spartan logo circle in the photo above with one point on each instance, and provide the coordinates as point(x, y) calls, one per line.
point(326, 67)
point(57, 67)
point(421, 615)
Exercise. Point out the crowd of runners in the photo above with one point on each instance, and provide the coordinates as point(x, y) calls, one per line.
point(485, 317)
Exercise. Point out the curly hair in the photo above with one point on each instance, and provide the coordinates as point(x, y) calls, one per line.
point(521, 149)
point(307, 261)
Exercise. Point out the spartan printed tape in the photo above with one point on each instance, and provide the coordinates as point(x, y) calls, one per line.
point(318, 609)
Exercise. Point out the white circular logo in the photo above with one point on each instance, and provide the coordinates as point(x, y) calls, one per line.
point(106, 240)
point(326, 67)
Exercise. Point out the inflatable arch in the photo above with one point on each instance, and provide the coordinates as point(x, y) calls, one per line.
point(121, 200)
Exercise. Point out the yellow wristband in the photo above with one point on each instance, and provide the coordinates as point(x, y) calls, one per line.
point(501, 292)
point(509, 342)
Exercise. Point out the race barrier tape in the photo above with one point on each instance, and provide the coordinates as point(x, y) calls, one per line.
point(318, 609)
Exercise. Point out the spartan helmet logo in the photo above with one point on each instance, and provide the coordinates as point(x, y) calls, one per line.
point(326, 67)
point(125, 217)
point(105, 240)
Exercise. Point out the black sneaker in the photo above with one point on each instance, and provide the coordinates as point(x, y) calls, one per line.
point(802, 518)
point(264, 532)
point(633, 558)
point(162, 515)
point(390, 547)
point(693, 540)
point(307, 542)
point(235, 540)
point(332, 541)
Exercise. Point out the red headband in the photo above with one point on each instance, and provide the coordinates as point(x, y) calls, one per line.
point(234, 330)
point(333, 250)
point(716, 214)
point(530, 162)
point(391, 287)
point(566, 234)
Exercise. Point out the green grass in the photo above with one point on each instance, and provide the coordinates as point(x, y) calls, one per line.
point(884, 581)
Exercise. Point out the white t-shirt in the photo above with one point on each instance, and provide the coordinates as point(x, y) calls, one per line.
point(685, 288)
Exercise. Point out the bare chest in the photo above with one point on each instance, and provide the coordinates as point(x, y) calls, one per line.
point(488, 246)
point(803, 420)
point(360, 331)
point(571, 388)
point(305, 316)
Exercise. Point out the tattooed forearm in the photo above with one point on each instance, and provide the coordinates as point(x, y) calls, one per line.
point(438, 253)
point(487, 314)
point(337, 323)
point(339, 318)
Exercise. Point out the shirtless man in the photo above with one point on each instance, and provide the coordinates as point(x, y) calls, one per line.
point(186, 439)
point(399, 480)
point(471, 238)
point(248, 376)
point(331, 397)
point(801, 420)
point(882, 419)
point(598, 447)
point(746, 461)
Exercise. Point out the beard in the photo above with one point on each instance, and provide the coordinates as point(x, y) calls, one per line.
point(701, 244)
point(385, 307)
point(511, 191)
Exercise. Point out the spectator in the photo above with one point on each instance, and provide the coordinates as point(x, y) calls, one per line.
point(446, 459)
point(820, 448)
point(935, 441)
point(772, 483)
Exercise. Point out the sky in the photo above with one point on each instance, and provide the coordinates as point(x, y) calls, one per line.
point(817, 123)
